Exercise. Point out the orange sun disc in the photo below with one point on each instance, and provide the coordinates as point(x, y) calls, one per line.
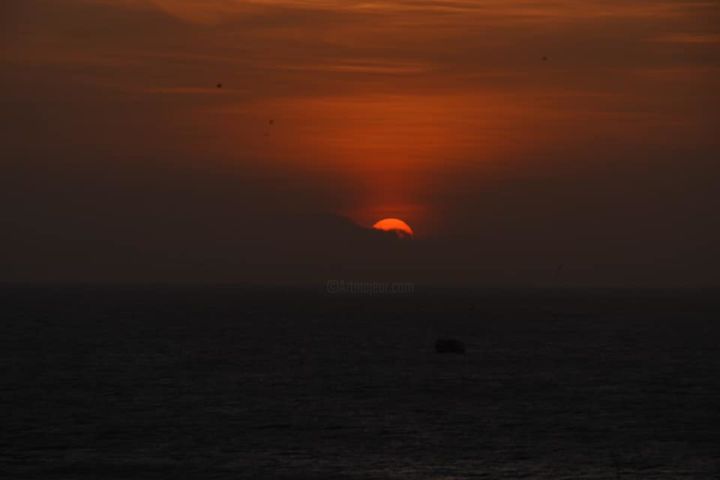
point(395, 225)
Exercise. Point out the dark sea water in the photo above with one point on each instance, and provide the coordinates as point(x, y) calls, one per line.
point(149, 383)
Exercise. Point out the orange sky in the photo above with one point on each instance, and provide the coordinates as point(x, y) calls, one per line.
point(428, 110)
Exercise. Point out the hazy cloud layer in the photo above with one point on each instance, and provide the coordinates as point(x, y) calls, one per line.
point(513, 136)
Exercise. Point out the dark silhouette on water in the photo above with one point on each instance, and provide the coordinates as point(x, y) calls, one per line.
point(449, 345)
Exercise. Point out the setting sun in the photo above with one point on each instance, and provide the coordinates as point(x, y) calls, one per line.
point(396, 226)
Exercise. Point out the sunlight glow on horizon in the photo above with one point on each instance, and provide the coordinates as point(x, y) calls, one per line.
point(383, 106)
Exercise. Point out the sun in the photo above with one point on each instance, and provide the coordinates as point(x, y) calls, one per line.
point(395, 225)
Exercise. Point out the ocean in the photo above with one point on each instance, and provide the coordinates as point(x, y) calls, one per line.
point(206, 382)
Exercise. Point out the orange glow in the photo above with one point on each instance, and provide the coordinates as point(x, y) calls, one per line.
point(389, 147)
point(393, 108)
point(395, 225)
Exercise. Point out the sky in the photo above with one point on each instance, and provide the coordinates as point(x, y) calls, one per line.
point(527, 143)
